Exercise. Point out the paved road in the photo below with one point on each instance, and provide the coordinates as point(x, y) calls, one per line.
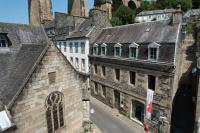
point(109, 123)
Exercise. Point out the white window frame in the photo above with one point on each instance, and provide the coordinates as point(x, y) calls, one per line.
point(153, 45)
point(120, 49)
point(95, 46)
point(82, 48)
point(103, 46)
point(133, 45)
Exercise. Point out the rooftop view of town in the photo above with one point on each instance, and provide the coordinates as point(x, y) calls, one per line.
point(120, 66)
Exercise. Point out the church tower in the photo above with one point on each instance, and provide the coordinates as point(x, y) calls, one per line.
point(104, 5)
point(39, 11)
point(78, 8)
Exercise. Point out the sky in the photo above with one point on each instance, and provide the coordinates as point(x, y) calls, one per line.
point(16, 11)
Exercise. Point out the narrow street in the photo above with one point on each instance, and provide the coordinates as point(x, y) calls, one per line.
point(109, 123)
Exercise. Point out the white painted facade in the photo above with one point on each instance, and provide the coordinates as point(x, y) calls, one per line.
point(153, 17)
point(76, 55)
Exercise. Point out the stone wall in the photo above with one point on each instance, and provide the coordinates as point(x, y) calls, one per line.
point(129, 92)
point(29, 111)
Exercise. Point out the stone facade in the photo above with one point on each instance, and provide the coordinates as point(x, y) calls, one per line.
point(122, 70)
point(29, 110)
point(40, 11)
point(78, 8)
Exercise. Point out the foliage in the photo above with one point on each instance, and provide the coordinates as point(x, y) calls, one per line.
point(163, 4)
point(123, 15)
point(191, 24)
point(115, 21)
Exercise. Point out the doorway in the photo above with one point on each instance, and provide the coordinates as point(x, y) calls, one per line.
point(117, 99)
point(138, 110)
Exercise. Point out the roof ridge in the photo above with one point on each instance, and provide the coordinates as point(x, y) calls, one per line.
point(120, 26)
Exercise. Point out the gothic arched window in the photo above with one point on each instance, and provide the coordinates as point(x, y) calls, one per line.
point(54, 113)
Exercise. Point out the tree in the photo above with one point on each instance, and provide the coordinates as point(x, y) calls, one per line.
point(124, 15)
point(115, 21)
point(185, 4)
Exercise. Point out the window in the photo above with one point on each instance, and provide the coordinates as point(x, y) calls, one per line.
point(103, 91)
point(117, 74)
point(117, 50)
point(151, 82)
point(83, 65)
point(95, 69)
point(3, 41)
point(95, 49)
point(103, 68)
point(133, 50)
point(103, 49)
point(77, 63)
point(71, 60)
point(65, 47)
point(52, 77)
point(54, 112)
point(71, 47)
point(96, 88)
point(132, 77)
point(60, 43)
point(82, 48)
point(153, 51)
point(76, 47)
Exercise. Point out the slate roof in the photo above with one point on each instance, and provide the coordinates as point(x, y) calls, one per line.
point(83, 30)
point(154, 12)
point(157, 31)
point(16, 66)
point(192, 12)
point(89, 28)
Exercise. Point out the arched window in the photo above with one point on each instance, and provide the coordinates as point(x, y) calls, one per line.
point(4, 41)
point(54, 113)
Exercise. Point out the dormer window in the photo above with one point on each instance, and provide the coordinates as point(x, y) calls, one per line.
point(3, 41)
point(95, 49)
point(133, 50)
point(117, 50)
point(103, 49)
point(153, 51)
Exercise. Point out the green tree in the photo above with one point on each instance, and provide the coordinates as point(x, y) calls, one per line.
point(124, 15)
point(115, 21)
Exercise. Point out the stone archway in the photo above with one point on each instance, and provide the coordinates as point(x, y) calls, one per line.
point(136, 3)
point(131, 4)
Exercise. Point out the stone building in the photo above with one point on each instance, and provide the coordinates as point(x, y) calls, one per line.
point(40, 91)
point(154, 15)
point(40, 11)
point(127, 60)
point(78, 8)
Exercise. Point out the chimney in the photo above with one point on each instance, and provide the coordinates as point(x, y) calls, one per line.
point(177, 15)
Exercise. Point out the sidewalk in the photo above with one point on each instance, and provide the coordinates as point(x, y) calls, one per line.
point(117, 115)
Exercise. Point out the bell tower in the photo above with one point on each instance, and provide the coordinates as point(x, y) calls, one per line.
point(104, 5)
point(39, 11)
point(78, 8)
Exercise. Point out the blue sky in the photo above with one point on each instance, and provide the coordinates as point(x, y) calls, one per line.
point(16, 11)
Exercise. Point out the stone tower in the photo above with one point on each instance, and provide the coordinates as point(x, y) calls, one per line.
point(105, 5)
point(130, 3)
point(40, 11)
point(78, 8)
